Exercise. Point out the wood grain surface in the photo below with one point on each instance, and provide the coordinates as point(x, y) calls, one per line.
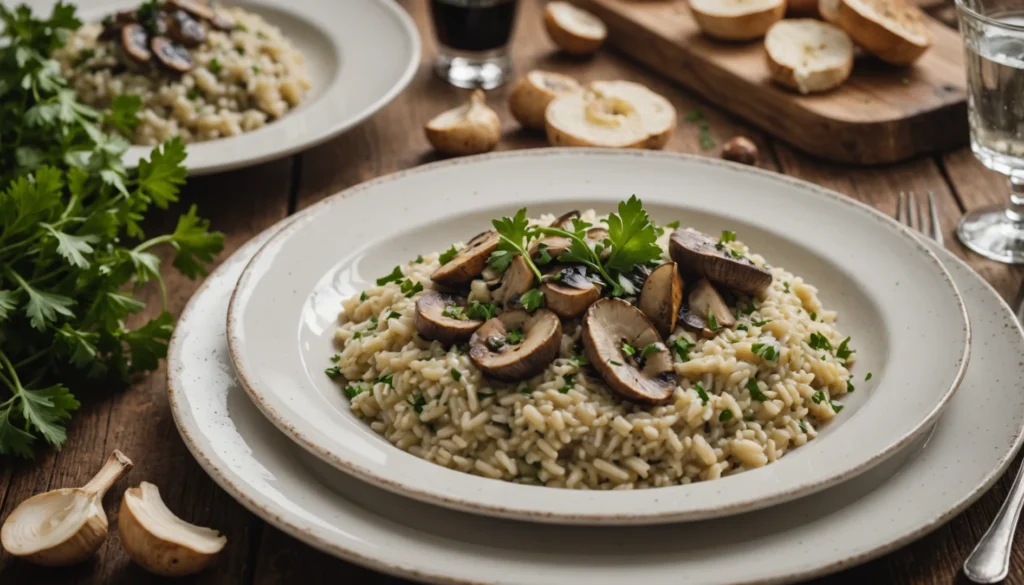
point(882, 114)
point(242, 203)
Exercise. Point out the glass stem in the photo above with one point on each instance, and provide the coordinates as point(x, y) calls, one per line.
point(1015, 209)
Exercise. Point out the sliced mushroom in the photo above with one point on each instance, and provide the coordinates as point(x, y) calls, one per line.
point(432, 323)
point(607, 326)
point(222, 23)
point(518, 279)
point(185, 29)
point(113, 23)
point(171, 55)
point(469, 262)
point(556, 245)
point(569, 293)
point(705, 301)
point(135, 43)
point(197, 9)
point(532, 94)
point(492, 352)
point(661, 297)
point(694, 322)
point(701, 254)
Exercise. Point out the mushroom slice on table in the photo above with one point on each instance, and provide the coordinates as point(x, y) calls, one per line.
point(532, 94)
point(589, 119)
point(574, 30)
point(611, 324)
point(705, 302)
point(569, 293)
point(661, 297)
point(895, 31)
point(517, 280)
point(516, 345)
point(135, 43)
point(657, 113)
point(701, 254)
point(172, 56)
point(432, 322)
point(469, 262)
point(808, 55)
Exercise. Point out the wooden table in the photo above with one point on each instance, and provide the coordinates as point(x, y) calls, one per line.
point(245, 202)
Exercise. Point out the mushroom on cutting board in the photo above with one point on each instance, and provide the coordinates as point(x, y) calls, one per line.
point(657, 113)
point(432, 323)
point(700, 254)
point(516, 345)
point(570, 292)
point(608, 325)
point(471, 128)
point(574, 30)
point(708, 305)
point(532, 94)
point(661, 297)
point(893, 30)
point(737, 20)
point(517, 280)
point(469, 263)
point(808, 55)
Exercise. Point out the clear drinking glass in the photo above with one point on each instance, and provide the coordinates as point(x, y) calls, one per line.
point(993, 32)
point(473, 37)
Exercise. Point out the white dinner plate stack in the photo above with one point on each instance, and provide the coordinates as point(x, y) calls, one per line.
point(920, 441)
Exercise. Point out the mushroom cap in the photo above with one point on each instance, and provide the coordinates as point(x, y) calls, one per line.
point(574, 30)
point(195, 8)
point(704, 300)
point(572, 293)
point(517, 280)
point(171, 55)
point(698, 253)
point(661, 297)
point(431, 322)
point(532, 94)
point(185, 29)
point(469, 262)
point(498, 359)
point(135, 43)
point(556, 245)
point(607, 325)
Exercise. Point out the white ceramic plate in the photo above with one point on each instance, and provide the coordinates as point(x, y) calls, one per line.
point(887, 507)
point(360, 54)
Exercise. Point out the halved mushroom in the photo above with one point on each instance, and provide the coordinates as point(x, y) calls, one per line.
point(517, 280)
point(706, 303)
point(171, 55)
point(569, 292)
point(185, 29)
point(432, 322)
point(471, 128)
point(646, 375)
point(516, 345)
point(469, 262)
point(575, 30)
point(701, 254)
point(135, 43)
point(661, 297)
point(532, 94)
point(658, 114)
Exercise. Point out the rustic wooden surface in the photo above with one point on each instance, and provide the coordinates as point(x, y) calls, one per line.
point(243, 203)
point(882, 114)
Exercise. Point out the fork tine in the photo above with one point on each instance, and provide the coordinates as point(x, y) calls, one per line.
point(901, 208)
point(933, 210)
point(914, 214)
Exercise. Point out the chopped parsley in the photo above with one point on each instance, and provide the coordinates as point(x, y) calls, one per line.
point(735, 253)
point(755, 390)
point(712, 321)
point(819, 341)
point(725, 416)
point(447, 255)
point(614, 363)
point(836, 407)
point(418, 404)
point(649, 349)
point(727, 236)
point(214, 66)
point(673, 224)
point(849, 386)
point(333, 372)
point(579, 360)
point(478, 311)
point(683, 348)
point(389, 380)
point(395, 276)
point(785, 286)
point(194, 94)
point(628, 349)
point(570, 383)
point(255, 69)
point(454, 312)
point(868, 377)
point(351, 391)
point(410, 288)
point(357, 335)
point(768, 351)
point(241, 27)
point(803, 427)
point(699, 388)
point(817, 397)
point(456, 375)
point(393, 315)
point(742, 327)
point(495, 343)
point(373, 319)
point(761, 323)
point(363, 296)
point(843, 352)
point(419, 259)
point(513, 337)
point(545, 257)
point(337, 358)
point(531, 299)
point(746, 309)
point(813, 316)
point(241, 51)
point(694, 115)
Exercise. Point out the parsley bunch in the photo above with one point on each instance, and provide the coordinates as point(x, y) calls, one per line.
point(72, 249)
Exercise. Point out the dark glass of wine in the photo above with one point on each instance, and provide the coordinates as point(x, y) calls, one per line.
point(473, 38)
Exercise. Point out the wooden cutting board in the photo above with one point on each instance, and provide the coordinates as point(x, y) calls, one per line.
point(882, 114)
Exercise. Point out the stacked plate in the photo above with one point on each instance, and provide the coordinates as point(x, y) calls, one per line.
point(923, 438)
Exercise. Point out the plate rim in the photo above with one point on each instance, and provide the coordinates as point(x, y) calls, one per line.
point(295, 222)
point(277, 515)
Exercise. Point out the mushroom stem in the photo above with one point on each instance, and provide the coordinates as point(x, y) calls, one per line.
point(116, 465)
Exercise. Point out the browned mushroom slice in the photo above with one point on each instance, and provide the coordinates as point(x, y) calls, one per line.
point(555, 245)
point(517, 280)
point(643, 372)
point(193, 7)
point(468, 263)
point(516, 345)
point(185, 29)
point(569, 293)
point(172, 56)
point(135, 43)
point(705, 302)
point(441, 316)
point(223, 23)
point(661, 297)
point(701, 254)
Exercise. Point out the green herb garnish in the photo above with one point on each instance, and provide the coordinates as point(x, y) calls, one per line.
point(570, 383)
point(712, 321)
point(388, 379)
point(456, 375)
point(673, 224)
point(699, 388)
point(363, 297)
point(410, 288)
point(836, 407)
point(393, 315)
point(478, 311)
point(447, 255)
point(418, 403)
point(333, 372)
point(727, 236)
point(725, 416)
point(849, 386)
point(649, 349)
point(335, 358)
point(683, 348)
point(514, 337)
point(628, 349)
point(351, 391)
point(819, 341)
point(760, 323)
point(419, 259)
point(395, 276)
point(615, 363)
point(579, 360)
point(813, 316)
point(454, 312)
point(755, 390)
point(531, 300)
point(843, 352)
point(817, 397)
point(785, 286)
point(868, 377)
point(215, 66)
point(769, 352)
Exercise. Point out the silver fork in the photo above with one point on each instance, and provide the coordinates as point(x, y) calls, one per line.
point(909, 214)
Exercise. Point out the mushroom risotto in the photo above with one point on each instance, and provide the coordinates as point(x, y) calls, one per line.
point(199, 72)
point(593, 352)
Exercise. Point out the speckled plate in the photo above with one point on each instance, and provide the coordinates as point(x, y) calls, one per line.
point(904, 498)
point(893, 296)
point(360, 54)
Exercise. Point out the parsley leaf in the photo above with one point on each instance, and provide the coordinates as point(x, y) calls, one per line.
point(843, 352)
point(531, 299)
point(712, 321)
point(352, 390)
point(673, 224)
point(683, 348)
point(447, 255)
point(819, 341)
point(817, 397)
point(478, 311)
point(454, 312)
point(456, 375)
point(725, 416)
point(628, 349)
point(699, 388)
point(755, 390)
point(514, 337)
point(769, 352)
point(395, 276)
point(649, 349)
point(633, 237)
point(868, 377)
point(333, 372)
point(393, 315)
point(570, 383)
point(727, 236)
